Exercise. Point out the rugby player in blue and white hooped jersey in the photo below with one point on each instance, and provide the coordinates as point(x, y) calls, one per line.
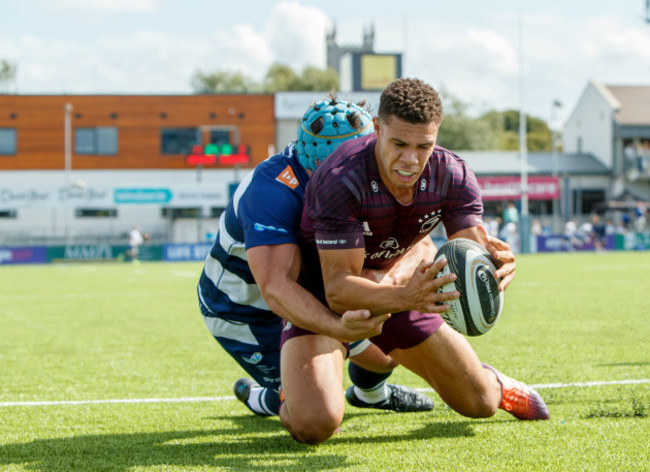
point(372, 201)
point(248, 284)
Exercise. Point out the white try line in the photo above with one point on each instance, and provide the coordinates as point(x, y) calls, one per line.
point(219, 399)
point(123, 400)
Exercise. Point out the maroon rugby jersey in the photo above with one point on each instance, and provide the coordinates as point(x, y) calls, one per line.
point(347, 205)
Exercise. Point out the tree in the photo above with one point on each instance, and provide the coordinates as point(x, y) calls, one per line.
point(222, 82)
point(279, 78)
point(462, 132)
point(315, 80)
point(505, 124)
point(7, 71)
point(459, 131)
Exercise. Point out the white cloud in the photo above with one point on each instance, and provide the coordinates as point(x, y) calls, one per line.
point(478, 62)
point(296, 35)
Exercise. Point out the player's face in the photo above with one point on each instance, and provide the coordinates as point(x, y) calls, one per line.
point(401, 152)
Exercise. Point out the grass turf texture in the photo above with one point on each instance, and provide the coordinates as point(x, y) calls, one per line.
point(117, 331)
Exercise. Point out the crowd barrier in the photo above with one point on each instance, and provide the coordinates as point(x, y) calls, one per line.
point(198, 251)
point(101, 253)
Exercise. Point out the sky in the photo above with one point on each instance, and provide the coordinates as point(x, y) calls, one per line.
point(492, 55)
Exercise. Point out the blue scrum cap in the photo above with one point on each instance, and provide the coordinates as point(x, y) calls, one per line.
point(327, 124)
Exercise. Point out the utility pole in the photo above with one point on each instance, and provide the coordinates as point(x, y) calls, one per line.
point(524, 223)
point(556, 171)
point(67, 143)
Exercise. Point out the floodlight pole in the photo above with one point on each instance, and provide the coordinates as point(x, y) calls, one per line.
point(524, 224)
point(67, 166)
point(67, 136)
point(556, 172)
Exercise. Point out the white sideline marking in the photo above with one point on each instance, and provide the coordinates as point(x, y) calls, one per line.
point(592, 384)
point(219, 399)
point(125, 400)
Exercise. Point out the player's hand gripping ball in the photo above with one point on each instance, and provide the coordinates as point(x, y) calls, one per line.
point(480, 303)
point(326, 125)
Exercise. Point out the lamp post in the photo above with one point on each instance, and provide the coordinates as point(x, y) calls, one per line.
point(524, 223)
point(554, 156)
point(67, 165)
point(67, 132)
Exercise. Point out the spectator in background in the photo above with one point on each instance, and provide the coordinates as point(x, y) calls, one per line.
point(597, 233)
point(492, 226)
point(584, 233)
point(510, 214)
point(571, 233)
point(640, 212)
point(135, 241)
point(625, 222)
point(510, 235)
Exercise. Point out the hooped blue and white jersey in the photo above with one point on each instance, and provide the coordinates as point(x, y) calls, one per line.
point(265, 210)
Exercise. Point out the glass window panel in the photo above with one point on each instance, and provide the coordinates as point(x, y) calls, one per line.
point(178, 140)
point(106, 140)
point(84, 141)
point(96, 213)
point(219, 136)
point(7, 141)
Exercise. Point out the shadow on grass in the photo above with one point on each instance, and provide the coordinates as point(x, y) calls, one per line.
point(252, 444)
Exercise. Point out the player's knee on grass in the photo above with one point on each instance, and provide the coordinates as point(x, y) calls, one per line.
point(478, 408)
point(479, 402)
point(312, 427)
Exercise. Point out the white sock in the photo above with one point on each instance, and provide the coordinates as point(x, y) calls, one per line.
point(256, 401)
point(376, 394)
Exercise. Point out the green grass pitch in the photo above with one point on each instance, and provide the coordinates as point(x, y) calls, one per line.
point(576, 325)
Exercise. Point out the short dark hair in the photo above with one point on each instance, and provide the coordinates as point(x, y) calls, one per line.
point(410, 100)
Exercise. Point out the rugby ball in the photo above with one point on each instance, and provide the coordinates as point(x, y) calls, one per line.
point(480, 303)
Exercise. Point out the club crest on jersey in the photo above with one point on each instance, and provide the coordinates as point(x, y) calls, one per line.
point(374, 186)
point(390, 243)
point(423, 185)
point(429, 221)
point(288, 178)
point(255, 358)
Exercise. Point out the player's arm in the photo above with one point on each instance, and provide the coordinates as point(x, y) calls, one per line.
point(499, 249)
point(401, 272)
point(345, 288)
point(276, 268)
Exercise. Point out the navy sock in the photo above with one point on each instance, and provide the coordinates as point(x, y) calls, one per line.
point(264, 401)
point(365, 379)
point(272, 401)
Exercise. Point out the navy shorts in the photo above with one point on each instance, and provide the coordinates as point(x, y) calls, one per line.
point(255, 346)
point(402, 330)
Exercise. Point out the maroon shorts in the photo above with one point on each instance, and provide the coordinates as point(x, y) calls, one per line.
point(402, 330)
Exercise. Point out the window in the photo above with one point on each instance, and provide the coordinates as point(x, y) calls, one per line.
point(219, 136)
point(179, 140)
point(215, 212)
point(8, 141)
point(585, 201)
point(174, 213)
point(95, 213)
point(100, 140)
